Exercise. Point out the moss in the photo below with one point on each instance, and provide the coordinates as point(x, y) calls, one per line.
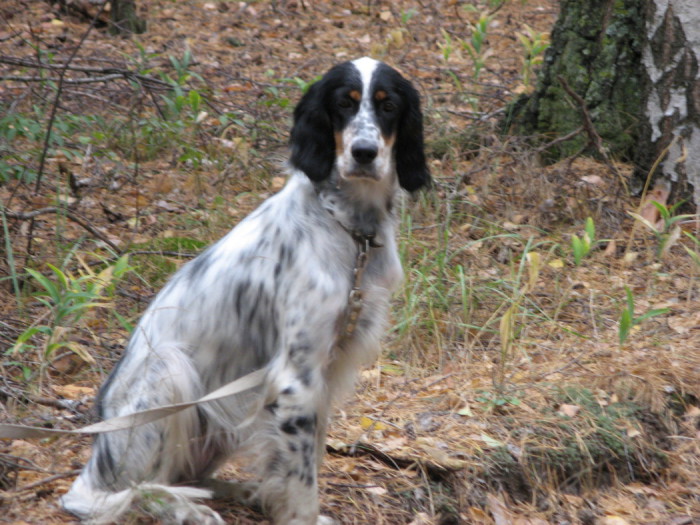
point(598, 52)
point(591, 449)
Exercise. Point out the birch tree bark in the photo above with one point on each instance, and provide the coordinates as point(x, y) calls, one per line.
point(635, 66)
point(671, 97)
point(596, 48)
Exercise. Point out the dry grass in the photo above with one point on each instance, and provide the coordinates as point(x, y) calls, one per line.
point(503, 395)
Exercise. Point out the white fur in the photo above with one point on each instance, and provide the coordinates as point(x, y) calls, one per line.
point(271, 294)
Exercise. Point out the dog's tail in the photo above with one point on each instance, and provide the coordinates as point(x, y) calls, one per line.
point(172, 504)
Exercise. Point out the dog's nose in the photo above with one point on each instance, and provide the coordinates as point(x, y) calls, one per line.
point(364, 152)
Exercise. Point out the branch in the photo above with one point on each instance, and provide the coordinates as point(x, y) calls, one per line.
point(40, 482)
point(105, 78)
point(107, 71)
point(69, 214)
point(54, 107)
point(559, 140)
point(593, 137)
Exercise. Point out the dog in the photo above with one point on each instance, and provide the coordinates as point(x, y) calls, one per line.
point(273, 294)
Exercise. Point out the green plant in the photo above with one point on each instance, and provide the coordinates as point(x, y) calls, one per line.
point(582, 246)
point(68, 299)
point(182, 69)
point(447, 48)
point(496, 400)
point(694, 255)
point(507, 326)
point(668, 232)
point(475, 46)
point(407, 15)
point(628, 319)
point(534, 44)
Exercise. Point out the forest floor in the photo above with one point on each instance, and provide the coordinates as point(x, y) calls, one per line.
point(535, 373)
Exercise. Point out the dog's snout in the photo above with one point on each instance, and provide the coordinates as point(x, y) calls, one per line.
point(364, 152)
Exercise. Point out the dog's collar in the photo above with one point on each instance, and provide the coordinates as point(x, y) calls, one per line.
point(355, 298)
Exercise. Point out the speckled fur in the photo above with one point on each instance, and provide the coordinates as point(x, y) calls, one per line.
point(271, 294)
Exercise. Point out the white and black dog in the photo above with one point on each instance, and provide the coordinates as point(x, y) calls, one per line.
point(273, 295)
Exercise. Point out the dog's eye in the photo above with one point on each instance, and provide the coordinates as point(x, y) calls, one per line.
point(388, 106)
point(345, 103)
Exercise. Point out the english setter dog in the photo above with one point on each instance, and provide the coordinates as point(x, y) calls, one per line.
point(272, 294)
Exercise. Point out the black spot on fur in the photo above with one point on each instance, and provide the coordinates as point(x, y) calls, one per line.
point(303, 424)
point(199, 265)
point(105, 462)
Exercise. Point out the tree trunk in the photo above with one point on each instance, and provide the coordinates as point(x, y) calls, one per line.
point(634, 63)
point(125, 20)
point(671, 102)
point(596, 48)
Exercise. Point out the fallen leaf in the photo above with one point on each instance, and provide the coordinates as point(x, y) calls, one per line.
point(613, 520)
point(377, 491)
point(610, 248)
point(569, 410)
point(596, 180)
point(465, 411)
point(491, 442)
point(370, 424)
point(650, 212)
point(442, 458)
point(498, 510)
point(630, 257)
point(421, 519)
point(392, 444)
point(73, 391)
point(682, 324)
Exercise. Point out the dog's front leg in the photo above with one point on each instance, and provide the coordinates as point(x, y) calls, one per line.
point(297, 403)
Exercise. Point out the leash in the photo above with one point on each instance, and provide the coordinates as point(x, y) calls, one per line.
point(356, 296)
point(247, 382)
point(8, 431)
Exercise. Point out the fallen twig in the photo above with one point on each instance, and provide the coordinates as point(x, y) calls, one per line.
point(40, 482)
point(69, 214)
point(54, 106)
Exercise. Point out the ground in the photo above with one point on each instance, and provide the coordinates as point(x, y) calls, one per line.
point(542, 368)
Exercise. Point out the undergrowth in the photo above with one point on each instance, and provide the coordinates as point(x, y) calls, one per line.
point(512, 272)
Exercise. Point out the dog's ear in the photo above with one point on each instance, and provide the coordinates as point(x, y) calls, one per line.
point(312, 142)
point(411, 166)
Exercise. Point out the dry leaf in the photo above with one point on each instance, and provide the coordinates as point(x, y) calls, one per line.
point(613, 520)
point(682, 324)
point(610, 248)
point(596, 180)
point(498, 510)
point(73, 391)
point(370, 424)
point(376, 491)
point(556, 264)
point(442, 458)
point(421, 519)
point(648, 211)
point(569, 410)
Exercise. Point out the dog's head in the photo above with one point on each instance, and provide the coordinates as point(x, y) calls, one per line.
point(362, 119)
